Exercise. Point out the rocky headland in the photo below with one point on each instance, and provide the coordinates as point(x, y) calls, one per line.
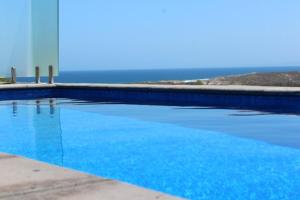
point(288, 79)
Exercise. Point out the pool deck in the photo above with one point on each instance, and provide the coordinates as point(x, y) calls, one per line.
point(26, 179)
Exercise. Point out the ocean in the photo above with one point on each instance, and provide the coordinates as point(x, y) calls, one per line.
point(134, 76)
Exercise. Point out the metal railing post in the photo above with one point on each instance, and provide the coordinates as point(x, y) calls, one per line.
point(51, 72)
point(13, 75)
point(37, 75)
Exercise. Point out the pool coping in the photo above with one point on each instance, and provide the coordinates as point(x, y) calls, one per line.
point(23, 178)
point(220, 89)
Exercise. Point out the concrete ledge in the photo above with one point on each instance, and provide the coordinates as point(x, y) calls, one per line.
point(183, 87)
point(236, 88)
point(26, 86)
point(26, 179)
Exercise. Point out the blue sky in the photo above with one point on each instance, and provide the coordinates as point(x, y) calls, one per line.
point(139, 34)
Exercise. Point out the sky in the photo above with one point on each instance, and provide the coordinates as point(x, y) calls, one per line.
point(153, 34)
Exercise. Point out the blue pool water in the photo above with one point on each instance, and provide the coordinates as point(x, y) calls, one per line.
point(191, 152)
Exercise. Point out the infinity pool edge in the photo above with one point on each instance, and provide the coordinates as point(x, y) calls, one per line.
point(277, 99)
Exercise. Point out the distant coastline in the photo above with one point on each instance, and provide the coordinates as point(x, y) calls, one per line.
point(285, 79)
point(133, 76)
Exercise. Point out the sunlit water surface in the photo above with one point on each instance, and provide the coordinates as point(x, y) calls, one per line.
point(191, 152)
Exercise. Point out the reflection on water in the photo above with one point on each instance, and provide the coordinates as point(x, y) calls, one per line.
point(14, 108)
point(43, 118)
point(43, 122)
point(38, 106)
point(48, 134)
point(274, 127)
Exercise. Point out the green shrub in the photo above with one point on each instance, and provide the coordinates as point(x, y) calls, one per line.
point(198, 82)
point(4, 80)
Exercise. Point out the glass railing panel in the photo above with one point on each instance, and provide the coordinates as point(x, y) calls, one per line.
point(28, 36)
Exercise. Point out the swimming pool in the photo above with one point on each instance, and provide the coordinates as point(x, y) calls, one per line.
point(192, 152)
